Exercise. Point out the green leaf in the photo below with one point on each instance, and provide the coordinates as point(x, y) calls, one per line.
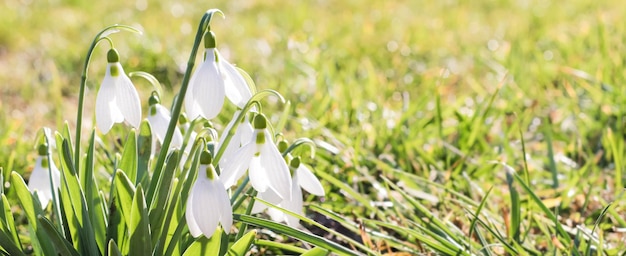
point(144, 151)
point(317, 251)
point(162, 191)
point(113, 250)
point(139, 228)
point(119, 214)
point(281, 246)
point(295, 233)
point(6, 219)
point(205, 246)
point(92, 196)
point(6, 244)
point(62, 246)
point(74, 204)
point(129, 157)
point(242, 245)
point(32, 208)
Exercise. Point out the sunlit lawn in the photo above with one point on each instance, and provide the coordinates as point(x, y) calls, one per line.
point(426, 109)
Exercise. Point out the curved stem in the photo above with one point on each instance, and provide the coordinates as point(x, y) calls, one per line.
point(178, 103)
point(103, 35)
point(151, 79)
point(254, 101)
point(301, 142)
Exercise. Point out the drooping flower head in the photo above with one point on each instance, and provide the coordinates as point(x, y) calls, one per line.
point(303, 178)
point(266, 167)
point(215, 79)
point(159, 119)
point(208, 204)
point(117, 98)
point(45, 178)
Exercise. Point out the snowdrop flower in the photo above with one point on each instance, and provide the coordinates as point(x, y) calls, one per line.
point(242, 135)
point(215, 79)
point(159, 119)
point(117, 99)
point(303, 178)
point(44, 173)
point(208, 203)
point(266, 167)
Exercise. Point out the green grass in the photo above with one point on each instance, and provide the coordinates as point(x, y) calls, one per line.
point(423, 105)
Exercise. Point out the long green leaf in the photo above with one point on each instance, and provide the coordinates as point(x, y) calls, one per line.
point(317, 251)
point(294, 233)
point(242, 245)
point(32, 208)
point(129, 157)
point(163, 192)
point(62, 246)
point(144, 152)
point(139, 228)
point(112, 249)
point(74, 204)
point(206, 246)
point(94, 201)
point(8, 224)
point(7, 245)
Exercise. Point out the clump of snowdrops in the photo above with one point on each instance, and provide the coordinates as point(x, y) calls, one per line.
point(177, 181)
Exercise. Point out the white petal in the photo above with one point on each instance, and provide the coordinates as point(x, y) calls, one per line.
point(269, 196)
point(191, 220)
point(208, 88)
point(39, 183)
point(276, 215)
point(191, 105)
point(258, 175)
point(294, 205)
point(237, 89)
point(107, 112)
point(127, 98)
point(238, 165)
point(234, 143)
point(308, 181)
point(226, 210)
point(205, 198)
point(245, 132)
point(277, 170)
point(159, 123)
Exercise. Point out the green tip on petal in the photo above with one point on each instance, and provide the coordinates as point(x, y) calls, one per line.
point(260, 121)
point(206, 158)
point(209, 40)
point(295, 162)
point(154, 99)
point(42, 150)
point(182, 119)
point(113, 56)
point(282, 145)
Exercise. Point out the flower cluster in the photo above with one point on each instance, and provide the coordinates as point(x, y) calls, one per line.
point(246, 145)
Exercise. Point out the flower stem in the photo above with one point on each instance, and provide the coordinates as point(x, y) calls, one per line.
point(83, 82)
point(178, 102)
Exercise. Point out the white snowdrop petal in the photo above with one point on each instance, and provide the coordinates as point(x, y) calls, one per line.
point(127, 99)
point(273, 161)
point(308, 181)
point(276, 215)
point(258, 175)
point(245, 131)
point(107, 112)
point(208, 88)
point(191, 220)
point(158, 122)
point(270, 196)
point(226, 211)
point(237, 90)
point(39, 183)
point(207, 219)
point(191, 103)
point(233, 145)
point(294, 205)
point(238, 165)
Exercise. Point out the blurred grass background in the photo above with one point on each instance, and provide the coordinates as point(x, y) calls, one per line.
point(440, 90)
